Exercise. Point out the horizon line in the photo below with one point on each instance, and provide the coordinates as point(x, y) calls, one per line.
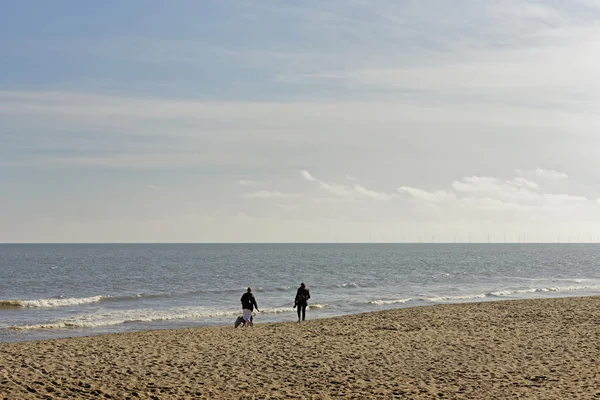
point(380, 242)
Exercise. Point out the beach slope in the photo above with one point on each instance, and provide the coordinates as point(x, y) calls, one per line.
point(546, 349)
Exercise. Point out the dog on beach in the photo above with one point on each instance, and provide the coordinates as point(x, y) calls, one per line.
point(240, 321)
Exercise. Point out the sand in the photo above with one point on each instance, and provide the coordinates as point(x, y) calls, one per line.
point(542, 349)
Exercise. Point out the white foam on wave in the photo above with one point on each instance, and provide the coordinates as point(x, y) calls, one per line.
point(51, 303)
point(511, 292)
point(104, 319)
point(146, 296)
point(76, 301)
point(318, 306)
point(571, 288)
point(452, 298)
point(503, 293)
point(276, 310)
point(111, 318)
point(385, 302)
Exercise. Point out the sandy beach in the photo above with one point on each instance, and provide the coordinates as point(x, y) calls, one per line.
point(543, 349)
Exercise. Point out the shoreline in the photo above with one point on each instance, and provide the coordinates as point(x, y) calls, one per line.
point(496, 349)
point(78, 332)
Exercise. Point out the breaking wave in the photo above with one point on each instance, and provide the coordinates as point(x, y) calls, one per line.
point(385, 302)
point(112, 318)
point(50, 303)
point(455, 298)
point(502, 293)
point(490, 295)
point(75, 301)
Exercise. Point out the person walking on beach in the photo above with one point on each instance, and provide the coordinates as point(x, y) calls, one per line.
point(301, 301)
point(248, 305)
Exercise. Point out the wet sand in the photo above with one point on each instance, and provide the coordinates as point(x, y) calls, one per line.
point(542, 349)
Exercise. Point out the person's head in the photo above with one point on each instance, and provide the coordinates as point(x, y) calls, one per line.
point(303, 285)
point(249, 290)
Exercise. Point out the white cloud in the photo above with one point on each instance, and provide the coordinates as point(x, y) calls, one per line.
point(549, 174)
point(350, 192)
point(362, 191)
point(331, 187)
point(542, 173)
point(488, 193)
point(509, 199)
point(513, 191)
point(481, 185)
point(422, 195)
point(519, 181)
point(266, 195)
point(306, 175)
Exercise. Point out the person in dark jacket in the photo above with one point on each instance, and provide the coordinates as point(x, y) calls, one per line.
point(248, 305)
point(301, 301)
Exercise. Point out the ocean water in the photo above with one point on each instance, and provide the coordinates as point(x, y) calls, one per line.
point(63, 290)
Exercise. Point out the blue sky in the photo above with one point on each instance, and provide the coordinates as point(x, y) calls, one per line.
point(192, 121)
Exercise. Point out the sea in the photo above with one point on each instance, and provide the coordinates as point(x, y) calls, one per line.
point(52, 291)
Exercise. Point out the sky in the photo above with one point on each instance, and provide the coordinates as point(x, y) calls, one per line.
point(307, 121)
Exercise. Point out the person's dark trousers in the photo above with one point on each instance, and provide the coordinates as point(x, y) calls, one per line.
point(301, 311)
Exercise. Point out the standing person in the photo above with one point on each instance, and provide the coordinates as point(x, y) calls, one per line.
point(248, 305)
point(301, 301)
